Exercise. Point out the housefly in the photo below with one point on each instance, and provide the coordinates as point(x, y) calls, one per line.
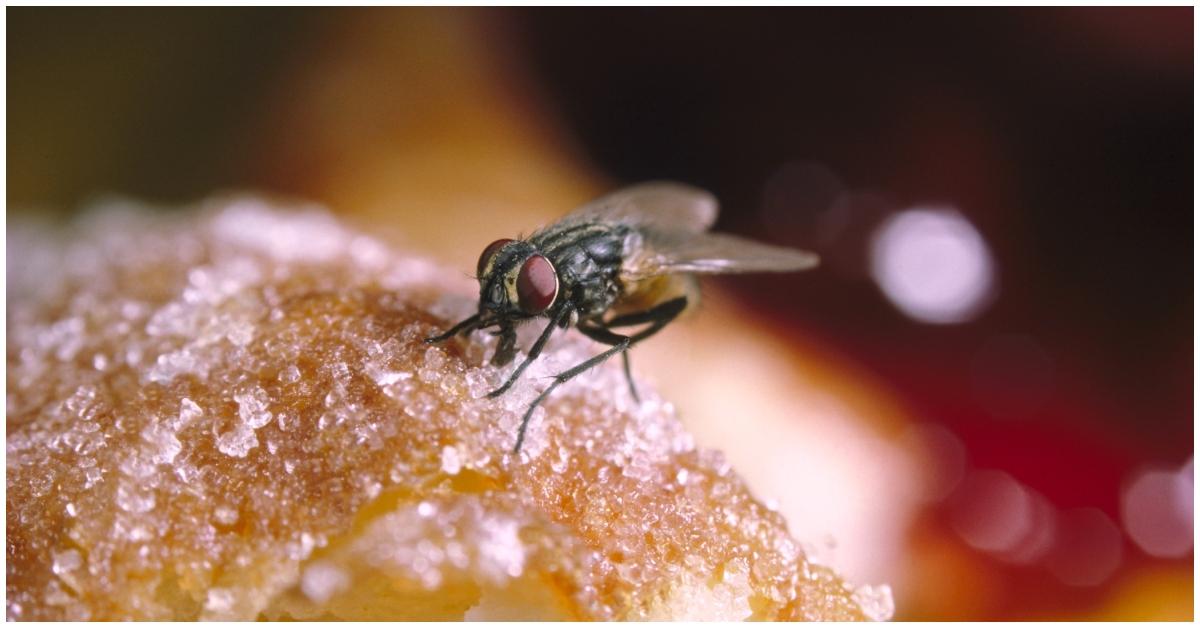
point(625, 260)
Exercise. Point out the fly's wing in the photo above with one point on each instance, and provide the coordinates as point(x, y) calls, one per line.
point(670, 220)
point(659, 205)
point(665, 252)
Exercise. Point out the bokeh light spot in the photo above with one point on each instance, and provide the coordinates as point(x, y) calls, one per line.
point(1088, 549)
point(1185, 489)
point(1041, 535)
point(1156, 510)
point(943, 459)
point(992, 512)
point(933, 265)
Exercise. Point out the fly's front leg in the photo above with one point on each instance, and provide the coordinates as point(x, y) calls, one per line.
point(658, 317)
point(467, 325)
point(536, 350)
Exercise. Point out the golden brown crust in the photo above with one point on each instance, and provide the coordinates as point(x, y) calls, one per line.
point(230, 415)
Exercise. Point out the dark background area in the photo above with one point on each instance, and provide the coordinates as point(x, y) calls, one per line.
point(1063, 135)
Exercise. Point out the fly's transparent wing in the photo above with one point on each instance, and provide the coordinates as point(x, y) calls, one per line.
point(712, 254)
point(670, 221)
point(660, 205)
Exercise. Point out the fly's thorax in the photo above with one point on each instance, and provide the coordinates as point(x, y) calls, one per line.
point(588, 258)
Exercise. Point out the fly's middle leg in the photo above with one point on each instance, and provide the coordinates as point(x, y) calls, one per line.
point(562, 312)
point(658, 316)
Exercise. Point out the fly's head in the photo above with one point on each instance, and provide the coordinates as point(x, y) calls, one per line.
point(516, 282)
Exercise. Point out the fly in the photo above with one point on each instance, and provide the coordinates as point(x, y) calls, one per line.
point(625, 260)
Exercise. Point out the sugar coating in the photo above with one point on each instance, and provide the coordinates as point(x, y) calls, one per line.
point(227, 412)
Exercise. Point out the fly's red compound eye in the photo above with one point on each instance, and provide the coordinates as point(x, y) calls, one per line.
point(487, 254)
point(537, 285)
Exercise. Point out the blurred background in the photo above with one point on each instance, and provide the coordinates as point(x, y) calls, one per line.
point(1002, 200)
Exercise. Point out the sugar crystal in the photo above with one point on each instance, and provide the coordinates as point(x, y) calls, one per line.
point(238, 441)
point(252, 408)
point(163, 443)
point(133, 499)
point(876, 601)
point(66, 561)
point(451, 463)
point(225, 515)
point(290, 375)
point(321, 581)
point(218, 601)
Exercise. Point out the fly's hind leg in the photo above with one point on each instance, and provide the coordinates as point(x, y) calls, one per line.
point(658, 316)
point(604, 335)
point(563, 377)
point(629, 376)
